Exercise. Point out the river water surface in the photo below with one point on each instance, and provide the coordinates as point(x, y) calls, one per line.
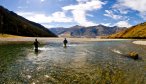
point(79, 63)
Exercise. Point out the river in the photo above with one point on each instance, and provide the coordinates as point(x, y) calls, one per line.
point(80, 63)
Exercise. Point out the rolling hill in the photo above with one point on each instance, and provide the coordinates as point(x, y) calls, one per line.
point(134, 32)
point(81, 31)
point(11, 23)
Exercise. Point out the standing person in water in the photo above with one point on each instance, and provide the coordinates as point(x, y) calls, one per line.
point(36, 44)
point(65, 43)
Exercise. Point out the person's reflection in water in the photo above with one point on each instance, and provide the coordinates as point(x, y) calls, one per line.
point(36, 44)
point(37, 52)
point(65, 43)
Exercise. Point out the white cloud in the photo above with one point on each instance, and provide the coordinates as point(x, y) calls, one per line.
point(80, 17)
point(143, 15)
point(110, 14)
point(90, 15)
point(48, 25)
point(42, 18)
point(88, 6)
point(79, 11)
point(106, 24)
point(42, 0)
point(22, 7)
point(123, 24)
point(137, 5)
point(120, 9)
point(82, 1)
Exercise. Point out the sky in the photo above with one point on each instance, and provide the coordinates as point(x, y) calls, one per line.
point(67, 13)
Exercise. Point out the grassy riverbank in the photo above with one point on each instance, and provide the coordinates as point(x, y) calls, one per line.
point(9, 36)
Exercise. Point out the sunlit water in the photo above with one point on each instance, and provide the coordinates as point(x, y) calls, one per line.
point(79, 63)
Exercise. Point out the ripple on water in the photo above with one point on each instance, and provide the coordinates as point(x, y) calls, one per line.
point(93, 62)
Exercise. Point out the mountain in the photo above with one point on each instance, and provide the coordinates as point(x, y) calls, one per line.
point(58, 30)
point(92, 31)
point(135, 32)
point(11, 23)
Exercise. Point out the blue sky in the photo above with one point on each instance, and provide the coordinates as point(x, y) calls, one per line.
point(67, 13)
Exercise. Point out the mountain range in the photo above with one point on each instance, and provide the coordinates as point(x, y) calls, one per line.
point(11, 23)
point(81, 31)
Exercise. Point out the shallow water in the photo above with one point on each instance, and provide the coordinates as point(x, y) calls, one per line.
point(79, 63)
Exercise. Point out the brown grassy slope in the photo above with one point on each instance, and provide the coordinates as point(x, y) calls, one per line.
point(9, 36)
point(138, 31)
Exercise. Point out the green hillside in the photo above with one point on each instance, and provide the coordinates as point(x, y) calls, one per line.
point(11, 23)
point(135, 32)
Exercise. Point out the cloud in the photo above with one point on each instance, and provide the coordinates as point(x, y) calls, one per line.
point(120, 9)
point(80, 17)
point(80, 10)
point(88, 6)
point(82, 1)
point(110, 14)
point(42, 18)
point(90, 15)
point(143, 15)
point(136, 5)
point(123, 24)
point(48, 26)
point(22, 7)
point(42, 0)
point(106, 24)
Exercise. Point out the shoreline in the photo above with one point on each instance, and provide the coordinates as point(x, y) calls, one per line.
point(50, 39)
point(44, 40)
point(138, 42)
